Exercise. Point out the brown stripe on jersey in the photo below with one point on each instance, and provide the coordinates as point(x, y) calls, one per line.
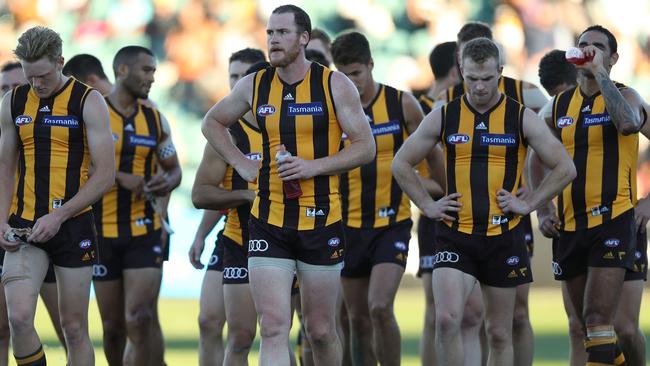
point(126, 166)
point(610, 164)
point(320, 135)
point(513, 114)
point(580, 159)
point(18, 104)
point(76, 142)
point(262, 91)
point(288, 138)
point(42, 159)
point(511, 88)
point(368, 173)
point(450, 117)
point(150, 166)
point(478, 172)
point(395, 113)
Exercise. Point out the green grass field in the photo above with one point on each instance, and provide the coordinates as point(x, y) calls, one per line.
point(181, 330)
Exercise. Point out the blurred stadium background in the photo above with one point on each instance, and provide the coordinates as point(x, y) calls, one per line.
point(192, 40)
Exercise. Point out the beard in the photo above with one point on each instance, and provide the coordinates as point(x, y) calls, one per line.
point(585, 73)
point(134, 88)
point(290, 55)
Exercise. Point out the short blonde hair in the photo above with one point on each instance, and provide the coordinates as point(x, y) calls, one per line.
point(39, 42)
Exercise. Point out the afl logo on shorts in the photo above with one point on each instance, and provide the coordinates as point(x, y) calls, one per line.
point(637, 255)
point(458, 138)
point(265, 110)
point(99, 270)
point(157, 249)
point(612, 243)
point(334, 242)
point(85, 244)
point(400, 245)
point(565, 121)
point(260, 245)
point(23, 120)
point(213, 260)
point(513, 261)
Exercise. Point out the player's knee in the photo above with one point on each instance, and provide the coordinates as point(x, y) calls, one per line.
point(240, 339)
point(272, 325)
point(20, 321)
point(448, 323)
point(139, 320)
point(520, 321)
point(472, 317)
point(381, 312)
point(499, 337)
point(576, 330)
point(210, 322)
point(74, 332)
point(4, 333)
point(113, 331)
point(627, 332)
point(320, 333)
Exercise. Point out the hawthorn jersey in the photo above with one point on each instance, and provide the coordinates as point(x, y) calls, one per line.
point(512, 88)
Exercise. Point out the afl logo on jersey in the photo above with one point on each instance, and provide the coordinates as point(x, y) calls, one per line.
point(23, 120)
point(265, 110)
point(458, 138)
point(565, 121)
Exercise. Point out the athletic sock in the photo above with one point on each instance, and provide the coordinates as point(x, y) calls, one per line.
point(619, 360)
point(601, 346)
point(35, 359)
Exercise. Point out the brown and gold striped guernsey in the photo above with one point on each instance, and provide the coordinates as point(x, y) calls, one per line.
point(512, 88)
point(119, 213)
point(301, 116)
point(249, 141)
point(484, 152)
point(53, 156)
point(426, 103)
point(370, 196)
point(605, 161)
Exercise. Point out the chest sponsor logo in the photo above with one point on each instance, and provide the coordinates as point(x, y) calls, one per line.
point(305, 109)
point(255, 156)
point(600, 119)
point(265, 110)
point(141, 140)
point(564, 122)
point(498, 139)
point(458, 138)
point(23, 120)
point(61, 121)
point(388, 128)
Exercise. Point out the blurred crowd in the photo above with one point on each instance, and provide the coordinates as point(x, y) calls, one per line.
point(192, 39)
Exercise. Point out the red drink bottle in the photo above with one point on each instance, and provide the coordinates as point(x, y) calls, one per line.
point(576, 56)
point(291, 187)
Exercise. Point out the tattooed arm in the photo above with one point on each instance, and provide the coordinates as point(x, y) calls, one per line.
point(623, 105)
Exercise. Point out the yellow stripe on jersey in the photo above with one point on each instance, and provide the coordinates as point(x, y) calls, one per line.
point(53, 156)
point(249, 141)
point(426, 103)
point(484, 152)
point(120, 213)
point(370, 196)
point(605, 161)
point(302, 117)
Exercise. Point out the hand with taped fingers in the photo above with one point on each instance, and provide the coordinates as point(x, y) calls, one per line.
point(10, 246)
point(642, 214)
point(512, 204)
point(294, 167)
point(45, 228)
point(548, 220)
point(195, 253)
point(160, 184)
point(438, 210)
point(131, 182)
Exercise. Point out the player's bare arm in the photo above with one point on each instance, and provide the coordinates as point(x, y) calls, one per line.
point(352, 120)
point(412, 152)
point(8, 161)
point(102, 156)
point(170, 176)
point(412, 111)
point(221, 116)
point(642, 208)
point(436, 184)
point(208, 221)
point(624, 106)
point(551, 152)
point(207, 192)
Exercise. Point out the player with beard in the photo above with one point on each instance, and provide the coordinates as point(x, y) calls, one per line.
point(303, 108)
point(128, 225)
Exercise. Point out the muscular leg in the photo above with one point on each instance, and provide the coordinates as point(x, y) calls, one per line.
point(212, 317)
point(319, 294)
point(51, 300)
point(242, 322)
point(4, 331)
point(22, 283)
point(343, 327)
point(472, 329)
point(74, 291)
point(451, 288)
point(270, 287)
point(157, 340)
point(577, 354)
point(499, 309)
point(110, 300)
point(355, 295)
point(141, 288)
point(522, 331)
point(384, 282)
point(427, 352)
point(626, 323)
